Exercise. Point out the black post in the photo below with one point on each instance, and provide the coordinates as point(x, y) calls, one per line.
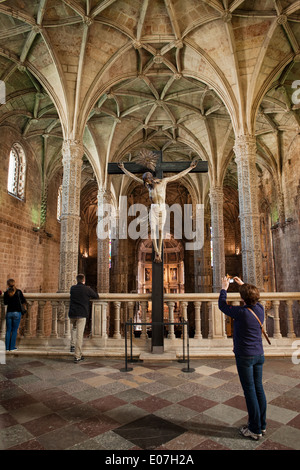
point(158, 287)
point(127, 369)
point(188, 369)
point(157, 305)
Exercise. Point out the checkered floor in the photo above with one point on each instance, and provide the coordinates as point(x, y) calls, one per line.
point(52, 403)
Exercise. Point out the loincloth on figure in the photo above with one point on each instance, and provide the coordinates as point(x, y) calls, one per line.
point(157, 216)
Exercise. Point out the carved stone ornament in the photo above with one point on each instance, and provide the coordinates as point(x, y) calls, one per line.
point(216, 202)
point(72, 163)
point(245, 150)
point(282, 19)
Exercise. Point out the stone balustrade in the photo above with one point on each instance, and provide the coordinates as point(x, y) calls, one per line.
point(45, 329)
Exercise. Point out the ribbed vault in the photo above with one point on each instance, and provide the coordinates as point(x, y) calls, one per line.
point(182, 76)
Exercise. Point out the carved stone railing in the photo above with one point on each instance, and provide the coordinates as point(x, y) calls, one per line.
point(45, 329)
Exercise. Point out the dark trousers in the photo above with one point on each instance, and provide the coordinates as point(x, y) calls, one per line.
point(250, 373)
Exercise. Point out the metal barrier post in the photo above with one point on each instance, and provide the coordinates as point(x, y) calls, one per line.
point(188, 369)
point(183, 342)
point(127, 369)
point(131, 336)
point(131, 323)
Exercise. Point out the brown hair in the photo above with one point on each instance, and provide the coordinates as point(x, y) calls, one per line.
point(80, 278)
point(249, 293)
point(11, 287)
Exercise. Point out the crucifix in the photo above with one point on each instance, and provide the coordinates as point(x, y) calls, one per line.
point(156, 185)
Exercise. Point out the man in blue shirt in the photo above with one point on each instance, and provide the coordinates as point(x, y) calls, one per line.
point(249, 353)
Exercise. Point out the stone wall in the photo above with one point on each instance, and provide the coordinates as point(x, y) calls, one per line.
point(30, 257)
point(286, 235)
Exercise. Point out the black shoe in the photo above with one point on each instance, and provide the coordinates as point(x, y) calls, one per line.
point(78, 360)
point(72, 348)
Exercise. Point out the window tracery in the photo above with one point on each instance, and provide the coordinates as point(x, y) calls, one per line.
point(17, 172)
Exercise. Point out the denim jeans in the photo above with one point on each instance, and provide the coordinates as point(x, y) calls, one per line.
point(12, 324)
point(250, 373)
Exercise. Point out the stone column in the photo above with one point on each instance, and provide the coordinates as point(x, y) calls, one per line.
point(117, 334)
point(217, 223)
point(277, 334)
point(104, 197)
point(290, 320)
point(69, 238)
point(198, 334)
point(245, 151)
point(119, 270)
point(171, 334)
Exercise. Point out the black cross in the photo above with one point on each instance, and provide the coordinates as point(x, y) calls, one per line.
point(158, 268)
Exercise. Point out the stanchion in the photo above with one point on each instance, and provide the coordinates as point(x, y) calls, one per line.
point(131, 360)
point(183, 360)
point(188, 369)
point(126, 369)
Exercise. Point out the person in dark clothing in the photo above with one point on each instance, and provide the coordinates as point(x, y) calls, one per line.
point(14, 299)
point(80, 296)
point(249, 353)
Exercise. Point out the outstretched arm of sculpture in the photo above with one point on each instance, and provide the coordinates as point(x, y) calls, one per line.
point(182, 173)
point(128, 173)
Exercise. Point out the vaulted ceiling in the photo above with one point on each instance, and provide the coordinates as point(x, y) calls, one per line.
point(184, 76)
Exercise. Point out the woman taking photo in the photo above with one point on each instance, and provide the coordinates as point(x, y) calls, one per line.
point(249, 353)
point(14, 299)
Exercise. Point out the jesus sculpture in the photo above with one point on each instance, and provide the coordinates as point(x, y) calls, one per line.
point(157, 194)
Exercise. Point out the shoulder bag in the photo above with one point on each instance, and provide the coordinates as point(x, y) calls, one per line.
point(23, 309)
point(262, 328)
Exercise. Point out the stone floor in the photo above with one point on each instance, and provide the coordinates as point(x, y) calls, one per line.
point(49, 403)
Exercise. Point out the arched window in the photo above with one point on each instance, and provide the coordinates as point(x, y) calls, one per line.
point(17, 172)
point(59, 202)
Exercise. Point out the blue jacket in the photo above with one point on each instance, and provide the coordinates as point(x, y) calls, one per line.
point(247, 337)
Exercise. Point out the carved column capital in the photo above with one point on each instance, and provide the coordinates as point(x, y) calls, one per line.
point(216, 194)
point(72, 152)
point(104, 196)
point(245, 147)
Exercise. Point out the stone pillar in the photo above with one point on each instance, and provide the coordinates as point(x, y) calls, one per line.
point(277, 334)
point(290, 320)
point(69, 238)
point(104, 197)
point(198, 334)
point(171, 334)
point(245, 151)
point(217, 223)
point(117, 334)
